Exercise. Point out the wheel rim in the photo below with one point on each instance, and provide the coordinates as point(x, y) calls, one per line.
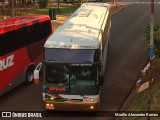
point(30, 76)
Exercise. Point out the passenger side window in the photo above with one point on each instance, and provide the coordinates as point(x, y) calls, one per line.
point(14, 40)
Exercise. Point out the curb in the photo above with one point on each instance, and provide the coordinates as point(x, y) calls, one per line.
point(134, 89)
point(118, 9)
point(136, 85)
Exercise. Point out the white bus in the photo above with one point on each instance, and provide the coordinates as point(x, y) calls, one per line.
point(74, 60)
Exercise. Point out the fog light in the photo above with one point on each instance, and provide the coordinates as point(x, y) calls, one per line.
point(52, 98)
point(91, 107)
point(47, 105)
point(51, 105)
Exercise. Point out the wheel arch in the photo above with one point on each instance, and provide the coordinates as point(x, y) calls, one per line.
point(31, 66)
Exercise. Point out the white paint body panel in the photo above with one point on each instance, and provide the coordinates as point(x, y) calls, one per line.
point(83, 29)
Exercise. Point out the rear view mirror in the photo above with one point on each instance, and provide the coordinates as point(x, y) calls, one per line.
point(36, 73)
point(36, 77)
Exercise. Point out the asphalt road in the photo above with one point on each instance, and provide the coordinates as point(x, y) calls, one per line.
point(127, 56)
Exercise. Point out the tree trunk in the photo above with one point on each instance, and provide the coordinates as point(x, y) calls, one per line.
point(81, 2)
point(73, 2)
point(3, 10)
point(12, 8)
point(25, 7)
point(58, 5)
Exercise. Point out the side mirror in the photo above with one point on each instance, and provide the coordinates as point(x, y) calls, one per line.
point(36, 73)
point(36, 77)
point(101, 80)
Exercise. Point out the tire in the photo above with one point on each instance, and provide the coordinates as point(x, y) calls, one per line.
point(98, 107)
point(29, 75)
point(101, 79)
point(109, 42)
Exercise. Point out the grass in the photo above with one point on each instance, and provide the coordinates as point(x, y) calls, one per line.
point(63, 10)
point(140, 101)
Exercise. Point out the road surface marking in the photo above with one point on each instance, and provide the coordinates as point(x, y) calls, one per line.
point(147, 2)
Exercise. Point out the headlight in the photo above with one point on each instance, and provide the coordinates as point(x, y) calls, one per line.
point(49, 97)
point(91, 100)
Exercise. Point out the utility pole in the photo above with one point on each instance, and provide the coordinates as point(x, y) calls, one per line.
point(151, 56)
point(115, 2)
point(152, 24)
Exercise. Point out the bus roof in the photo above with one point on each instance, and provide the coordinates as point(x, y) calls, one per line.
point(20, 22)
point(82, 30)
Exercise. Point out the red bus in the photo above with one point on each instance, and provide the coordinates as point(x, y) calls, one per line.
point(21, 48)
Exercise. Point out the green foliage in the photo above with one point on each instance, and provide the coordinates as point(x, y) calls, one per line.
point(82, 1)
point(156, 37)
point(64, 10)
point(43, 3)
point(140, 101)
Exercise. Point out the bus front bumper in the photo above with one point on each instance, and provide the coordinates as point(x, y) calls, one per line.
point(72, 106)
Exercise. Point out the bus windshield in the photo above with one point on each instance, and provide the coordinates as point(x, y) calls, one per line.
point(75, 55)
point(73, 78)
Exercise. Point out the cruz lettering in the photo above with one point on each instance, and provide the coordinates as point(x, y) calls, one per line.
point(6, 62)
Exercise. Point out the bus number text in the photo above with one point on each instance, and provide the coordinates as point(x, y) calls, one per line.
point(6, 62)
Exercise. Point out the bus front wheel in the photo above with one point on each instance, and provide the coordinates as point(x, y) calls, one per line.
point(29, 75)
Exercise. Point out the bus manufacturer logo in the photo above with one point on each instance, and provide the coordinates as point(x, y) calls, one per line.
point(6, 62)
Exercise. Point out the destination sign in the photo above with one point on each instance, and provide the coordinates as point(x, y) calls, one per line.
point(57, 89)
point(85, 64)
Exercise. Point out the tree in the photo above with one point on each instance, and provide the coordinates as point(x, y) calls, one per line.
point(156, 37)
point(43, 3)
point(3, 8)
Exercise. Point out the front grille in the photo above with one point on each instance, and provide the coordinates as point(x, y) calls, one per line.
point(76, 100)
point(70, 100)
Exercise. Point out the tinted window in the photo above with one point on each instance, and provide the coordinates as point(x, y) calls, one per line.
point(75, 80)
point(70, 55)
point(19, 38)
